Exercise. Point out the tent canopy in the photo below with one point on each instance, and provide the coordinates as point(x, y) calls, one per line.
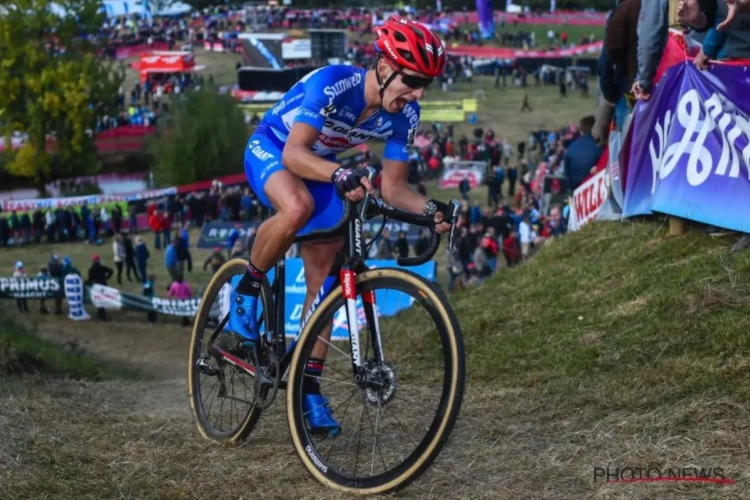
point(166, 62)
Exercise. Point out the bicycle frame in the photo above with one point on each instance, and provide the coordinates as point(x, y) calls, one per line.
point(344, 270)
point(343, 273)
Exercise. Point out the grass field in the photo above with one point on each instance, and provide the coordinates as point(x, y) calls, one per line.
point(613, 347)
point(575, 32)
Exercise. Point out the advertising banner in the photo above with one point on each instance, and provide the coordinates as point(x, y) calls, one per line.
point(30, 288)
point(690, 151)
point(456, 171)
point(588, 200)
point(215, 233)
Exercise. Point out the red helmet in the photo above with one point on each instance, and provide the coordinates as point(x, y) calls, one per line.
point(410, 45)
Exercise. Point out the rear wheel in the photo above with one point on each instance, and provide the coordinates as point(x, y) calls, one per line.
point(218, 362)
point(399, 378)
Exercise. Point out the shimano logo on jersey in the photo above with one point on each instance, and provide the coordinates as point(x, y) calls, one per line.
point(259, 152)
point(338, 88)
point(328, 110)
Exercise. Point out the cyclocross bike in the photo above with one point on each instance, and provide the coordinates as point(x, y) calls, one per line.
point(353, 299)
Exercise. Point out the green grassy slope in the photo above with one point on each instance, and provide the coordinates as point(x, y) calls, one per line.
point(618, 312)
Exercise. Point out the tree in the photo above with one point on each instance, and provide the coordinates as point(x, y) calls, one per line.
point(53, 83)
point(203, 135)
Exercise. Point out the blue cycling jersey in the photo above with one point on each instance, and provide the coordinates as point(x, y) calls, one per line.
point(332, 99)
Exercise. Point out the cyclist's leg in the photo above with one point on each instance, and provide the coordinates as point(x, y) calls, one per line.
point(278, 188)
point(318, 257)
point(294, 205)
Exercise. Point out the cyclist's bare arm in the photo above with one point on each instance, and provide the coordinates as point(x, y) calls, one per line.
point(299, 159)
point(396, 190)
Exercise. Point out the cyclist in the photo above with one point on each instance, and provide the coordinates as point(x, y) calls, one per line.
point(290, 162)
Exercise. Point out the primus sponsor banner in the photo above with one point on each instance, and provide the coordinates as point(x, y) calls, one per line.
point(690, 151)
point(30, 288)
point(111, 298)
point(215, 233)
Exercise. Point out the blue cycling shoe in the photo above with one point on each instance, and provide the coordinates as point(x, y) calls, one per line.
point(243, 317)
point(319, 415)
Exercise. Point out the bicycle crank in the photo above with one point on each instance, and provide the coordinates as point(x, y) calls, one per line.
point(267, 376)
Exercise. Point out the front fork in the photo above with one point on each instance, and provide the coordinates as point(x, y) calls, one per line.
point(348, 280)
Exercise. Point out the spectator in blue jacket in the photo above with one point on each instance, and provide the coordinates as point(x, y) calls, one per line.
point(582, 154)
point(170, 259)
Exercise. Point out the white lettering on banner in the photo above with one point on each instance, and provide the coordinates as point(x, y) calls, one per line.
point(28, 285)
point(300, 275)
point(104, 296)
point(176, 307)
point(29, 288)
point(296, 313)
point(394, 227)
point(590, 196)
point(300, 289)
point(697, 119)
point(341, 86)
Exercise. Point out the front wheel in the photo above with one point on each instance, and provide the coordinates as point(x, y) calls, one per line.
point(411, 356)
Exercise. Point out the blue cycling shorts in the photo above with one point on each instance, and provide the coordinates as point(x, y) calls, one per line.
point(263, 159)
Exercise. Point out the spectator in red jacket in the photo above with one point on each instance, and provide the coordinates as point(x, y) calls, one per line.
point(156, 223)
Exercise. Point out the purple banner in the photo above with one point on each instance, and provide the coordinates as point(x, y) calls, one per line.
point(690, 153)
point(485, 19)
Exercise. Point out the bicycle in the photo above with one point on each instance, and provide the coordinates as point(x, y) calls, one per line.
point(374, 378)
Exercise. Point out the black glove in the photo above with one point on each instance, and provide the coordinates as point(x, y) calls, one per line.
point(348, 179)
point(434, 206)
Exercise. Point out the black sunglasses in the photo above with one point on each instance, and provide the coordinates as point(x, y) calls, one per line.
point(414, 82)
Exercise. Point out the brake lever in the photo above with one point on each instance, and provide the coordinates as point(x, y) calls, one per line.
point(371, 174)
point(454, 220)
